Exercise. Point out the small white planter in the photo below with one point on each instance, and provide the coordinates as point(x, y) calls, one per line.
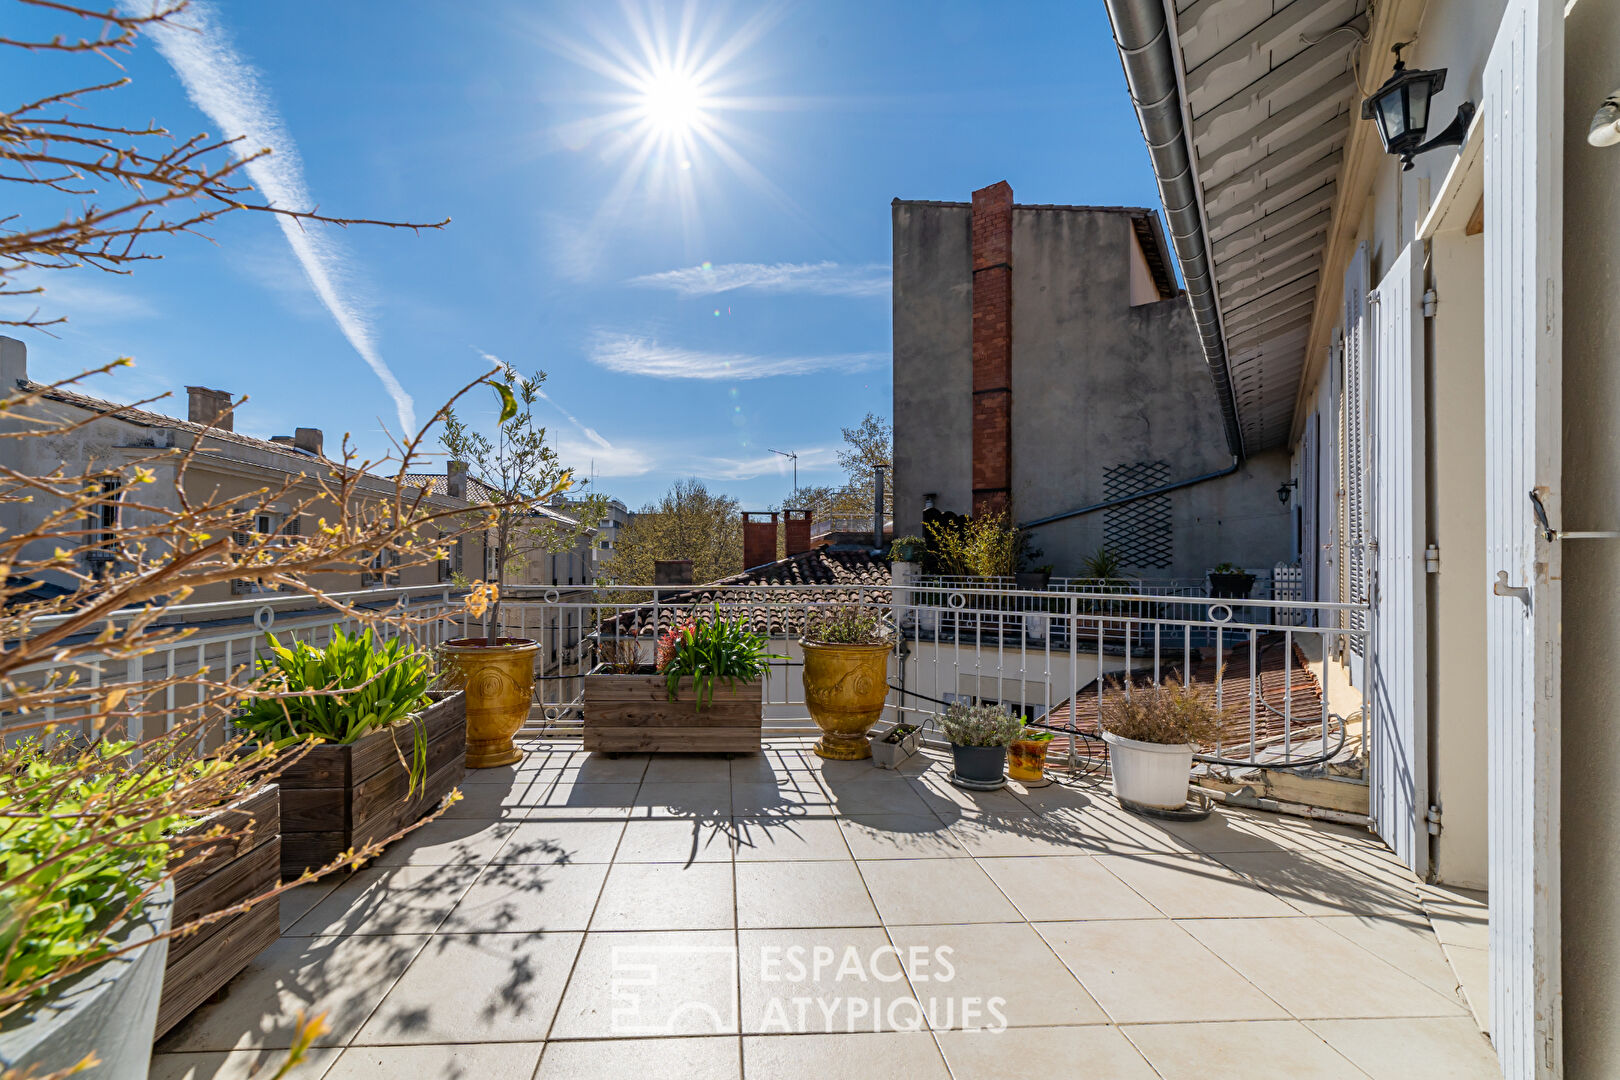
point(1150, 774)
point(891, 755)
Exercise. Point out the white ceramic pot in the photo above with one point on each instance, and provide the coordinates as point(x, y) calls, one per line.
point(1150, 774)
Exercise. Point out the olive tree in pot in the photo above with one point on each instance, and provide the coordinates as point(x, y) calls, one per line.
point(979, 736)
point(846, 677)
point(509, 480)
point(1152, 733)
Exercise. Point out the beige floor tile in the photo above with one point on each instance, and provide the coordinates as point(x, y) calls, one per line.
point(959, 988)
point(666, 896)
point(1253, 1050)
point(935, 891)
point(904, 1055)
point(601, 769)
point(388, 900)
point(798, 792)
point(1451, 1049)
point(674, 840)
point(885, 793)
point(1459, 918)
point(588, 799)
point(476, 988)
point(945, 799)
point(635, 985)
point(1053, 1053)
point(814, 836)
point(1403, 941)
point(1054, 795)
point(592, 840)
point(1152, 971)
point(705, 800)
point(343, 977)
point(448, 843)
point(1317, 885)
point(1192, 886)
point(1473, 971)
point(1020, 835)
point(711, 1058)
point(532, 766)
point(1315, 973)
point(766, 767)
point(296, 902)
point(900, 836)
point(485, 1061)
point(772, 895)
point(1053, 887)
point(526, 898)
point(688, 768)
point(238, 1065)
point(491, 802)
point(842, 979)
point(1105, 828)
point(840, 772)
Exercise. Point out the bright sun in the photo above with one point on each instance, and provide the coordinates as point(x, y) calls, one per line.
point(673, 103)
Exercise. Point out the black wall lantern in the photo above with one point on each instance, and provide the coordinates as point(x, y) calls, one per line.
point(1401, 109)
point(1285, 489)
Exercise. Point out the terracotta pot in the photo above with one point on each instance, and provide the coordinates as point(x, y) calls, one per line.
point(499, 680)
point(1026, 759)
point(845, 687)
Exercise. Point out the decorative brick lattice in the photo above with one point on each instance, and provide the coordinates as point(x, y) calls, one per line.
point(1138, 532)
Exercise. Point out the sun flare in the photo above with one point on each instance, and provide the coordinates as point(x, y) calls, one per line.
point(673, 102)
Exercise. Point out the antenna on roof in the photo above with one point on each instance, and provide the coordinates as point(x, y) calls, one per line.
point(794, 457)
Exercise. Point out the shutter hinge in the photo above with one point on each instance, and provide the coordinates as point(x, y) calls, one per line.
point(1431, 559)
point(1433, 819)
point(1431, 300)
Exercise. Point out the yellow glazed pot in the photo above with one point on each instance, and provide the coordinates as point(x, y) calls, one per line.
point(1026, 759)
point(499, 680)
point(845, 687)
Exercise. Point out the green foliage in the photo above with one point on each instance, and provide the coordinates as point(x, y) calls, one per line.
point(1165, 714)
point(986, 546)
point(715, 649)
point(687, 522)
point(908, 548)
point(1102, 566)
point(980, 725)
point(846, 624)
point(1228, 568)
point(83, 838)
point(1033, 735)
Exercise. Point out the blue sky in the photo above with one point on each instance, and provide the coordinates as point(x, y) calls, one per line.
point(597, 234)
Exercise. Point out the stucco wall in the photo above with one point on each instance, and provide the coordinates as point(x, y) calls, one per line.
point(1591, 633)
point(1096, 383)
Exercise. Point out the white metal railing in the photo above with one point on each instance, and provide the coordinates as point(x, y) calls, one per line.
point(1049, 655)
point(225, 640)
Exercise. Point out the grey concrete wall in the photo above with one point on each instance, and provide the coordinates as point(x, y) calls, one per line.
point(1591, 634)
point(1096, 383)
point(933, 360)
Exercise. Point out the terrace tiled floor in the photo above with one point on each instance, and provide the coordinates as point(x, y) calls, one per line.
point(780, 916)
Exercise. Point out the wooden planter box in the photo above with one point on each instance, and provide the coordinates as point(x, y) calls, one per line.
point(200, 964)
point(632, 714)
point(338, 797)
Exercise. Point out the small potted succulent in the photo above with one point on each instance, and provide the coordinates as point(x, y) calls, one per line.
point(846, 676)
point(1152, 733)
point(1230, 581)
point(1026, 757)
point(979, 736)
point(892, 748)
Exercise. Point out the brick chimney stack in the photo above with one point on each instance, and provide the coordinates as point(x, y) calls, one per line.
point(759, 538)
point(455, 479)
point(796, 532)
point(210, 408)
point(672, 572)
point(992, 348)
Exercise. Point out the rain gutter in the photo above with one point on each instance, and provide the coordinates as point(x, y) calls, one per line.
point(1147, 52)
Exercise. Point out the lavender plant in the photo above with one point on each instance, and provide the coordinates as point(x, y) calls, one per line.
point(980, 725)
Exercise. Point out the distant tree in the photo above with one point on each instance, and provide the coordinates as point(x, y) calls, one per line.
point(866, 446)
point(688, 522)
point(519, 472)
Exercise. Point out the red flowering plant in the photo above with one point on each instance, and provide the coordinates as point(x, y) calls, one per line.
point(669, 642)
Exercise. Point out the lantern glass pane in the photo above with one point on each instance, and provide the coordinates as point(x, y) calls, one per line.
point(1392, 106)
point(1418, 106)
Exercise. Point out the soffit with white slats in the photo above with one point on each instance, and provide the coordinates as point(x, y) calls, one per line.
point(1271, 103)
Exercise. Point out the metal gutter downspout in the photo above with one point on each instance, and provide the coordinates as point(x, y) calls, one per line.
point(1123, 499)
point(1147, 53)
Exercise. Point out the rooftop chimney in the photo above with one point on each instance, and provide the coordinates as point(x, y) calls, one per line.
point(759, 539)
point(13, 363)
point(672, 572)
point(796, 532)
point(309, 440)
point(455, 479)
point(992, 348)
point(210, 408)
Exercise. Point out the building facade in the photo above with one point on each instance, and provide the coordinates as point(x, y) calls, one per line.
point(1045, 363)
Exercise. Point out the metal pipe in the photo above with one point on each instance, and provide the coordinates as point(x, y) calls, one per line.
point(1147, 53)
point(1122, 500)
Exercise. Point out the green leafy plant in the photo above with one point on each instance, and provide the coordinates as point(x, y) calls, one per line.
point(898, 732)
point(1228, 568)
point(340, 693)
point(980, 725)
point(1032, 735)
point(1103, 566)
point(1167, 714)
point(715, 649)
point(908, 548)
point(988, 546)
point(846, 624)
point(619, 656)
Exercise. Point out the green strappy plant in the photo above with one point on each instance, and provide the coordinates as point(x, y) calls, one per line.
point(715, 649)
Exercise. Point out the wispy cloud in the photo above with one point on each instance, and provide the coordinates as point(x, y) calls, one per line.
point(816, 279)
point(228, 89)
point(727, 468)
point(632, 355)
point(598, 444)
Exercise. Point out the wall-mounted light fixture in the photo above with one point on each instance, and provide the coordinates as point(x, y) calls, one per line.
point(1605, 129)
point(1401, 109)
point(1285, 489)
